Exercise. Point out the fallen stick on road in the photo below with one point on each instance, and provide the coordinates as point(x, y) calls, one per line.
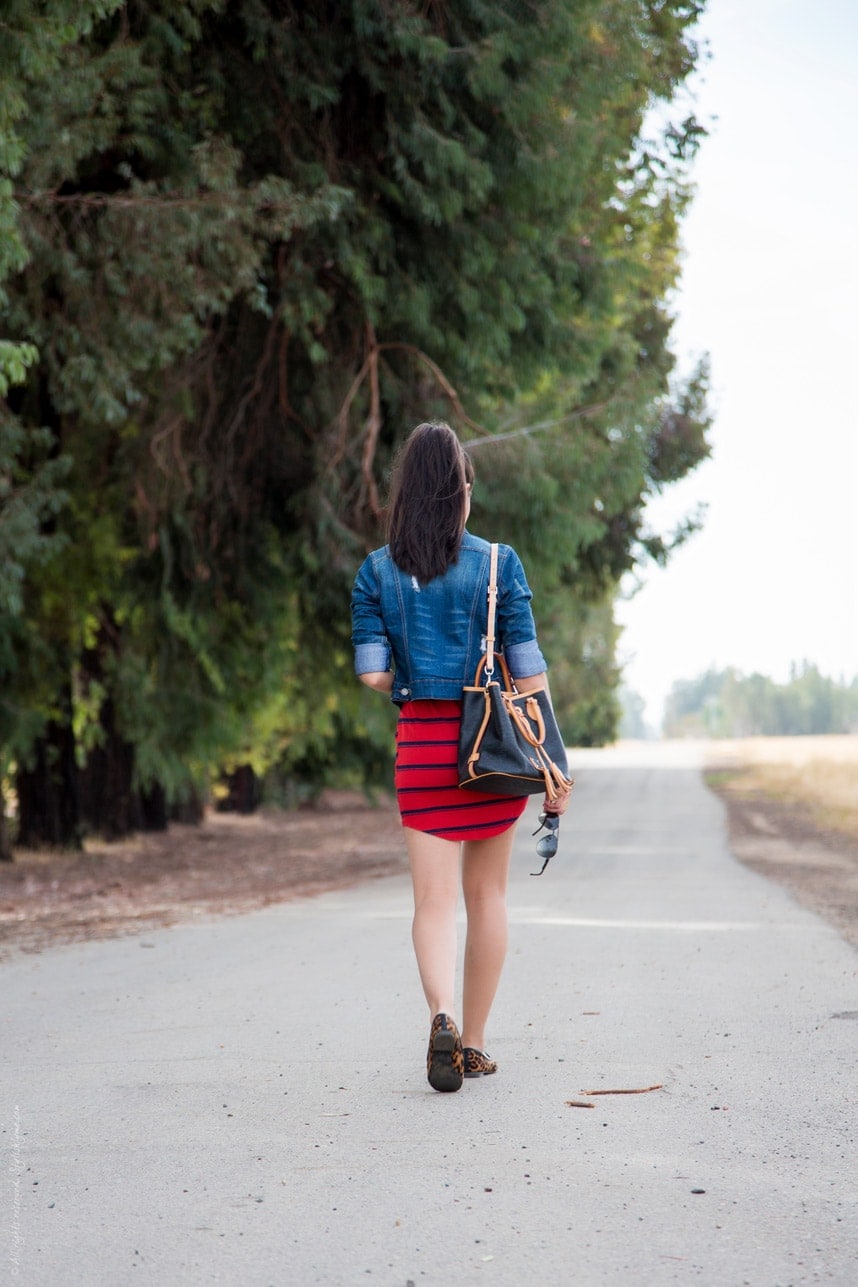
point(640, 1090)
point(579, 1103)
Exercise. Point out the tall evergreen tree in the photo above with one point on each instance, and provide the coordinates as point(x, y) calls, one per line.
point(264, 238)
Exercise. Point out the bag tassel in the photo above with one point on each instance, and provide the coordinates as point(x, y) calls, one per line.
point(556, 782)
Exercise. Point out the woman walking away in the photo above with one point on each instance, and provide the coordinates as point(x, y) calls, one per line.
point(419, 616)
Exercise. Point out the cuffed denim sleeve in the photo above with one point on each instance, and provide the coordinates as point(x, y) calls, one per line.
point(369, 639)
point(525, 658)
point(516, 627)
point(374, 656)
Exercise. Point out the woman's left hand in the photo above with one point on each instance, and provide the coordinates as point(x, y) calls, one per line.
point(559, 804)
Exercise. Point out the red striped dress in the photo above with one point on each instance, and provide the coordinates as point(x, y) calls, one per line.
point(427, 784)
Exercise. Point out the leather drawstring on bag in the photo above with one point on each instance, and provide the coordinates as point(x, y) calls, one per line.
point(509, 742)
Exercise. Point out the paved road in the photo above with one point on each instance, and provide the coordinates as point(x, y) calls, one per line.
point(243, 1101)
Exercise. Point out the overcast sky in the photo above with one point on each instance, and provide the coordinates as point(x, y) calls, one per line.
point(770, 290)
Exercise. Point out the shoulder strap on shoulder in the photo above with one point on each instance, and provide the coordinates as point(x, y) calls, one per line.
point(493, 603)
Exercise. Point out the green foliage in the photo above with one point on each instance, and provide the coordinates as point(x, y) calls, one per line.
point(727, 703)
point(29, 497)
point(253, 244)
point(579, 640)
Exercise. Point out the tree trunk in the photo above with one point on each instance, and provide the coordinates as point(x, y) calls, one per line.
point(48, 802)
point(153, 808)
point(190, 809)
point(243, 791)
point(5, 842)
point(109, 803)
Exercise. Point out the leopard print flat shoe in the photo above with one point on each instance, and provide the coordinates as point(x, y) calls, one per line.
point(445, 1061)
point(477, 1063)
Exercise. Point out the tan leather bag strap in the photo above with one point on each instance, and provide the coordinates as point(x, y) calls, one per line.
point(493, 603)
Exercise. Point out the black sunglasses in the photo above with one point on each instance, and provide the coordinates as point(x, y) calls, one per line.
point(546, 847)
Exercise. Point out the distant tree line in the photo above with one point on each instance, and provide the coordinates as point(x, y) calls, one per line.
point(726, 703)
point(633, 723)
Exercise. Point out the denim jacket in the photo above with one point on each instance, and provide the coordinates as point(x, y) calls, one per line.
point(432, 635)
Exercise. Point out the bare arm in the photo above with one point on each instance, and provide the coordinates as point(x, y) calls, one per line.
point(381, 681)
point(527, 682)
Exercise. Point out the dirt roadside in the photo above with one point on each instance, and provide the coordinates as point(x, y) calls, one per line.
point(234, 864)
point(782, 842)
point(229, 864)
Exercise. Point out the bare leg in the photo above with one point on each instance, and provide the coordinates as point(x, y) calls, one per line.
point(435, 876)
point(485, 870)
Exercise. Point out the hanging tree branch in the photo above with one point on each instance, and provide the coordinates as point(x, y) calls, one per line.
point(371, 430)
point(373, 423)
point(526, 430)
point(159, 201)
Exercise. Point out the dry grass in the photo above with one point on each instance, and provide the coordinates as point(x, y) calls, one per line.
point(818, 774)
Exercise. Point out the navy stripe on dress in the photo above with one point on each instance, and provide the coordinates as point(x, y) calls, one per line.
point(427, 784)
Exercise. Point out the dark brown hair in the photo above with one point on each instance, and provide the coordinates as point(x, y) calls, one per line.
point(426, 515)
